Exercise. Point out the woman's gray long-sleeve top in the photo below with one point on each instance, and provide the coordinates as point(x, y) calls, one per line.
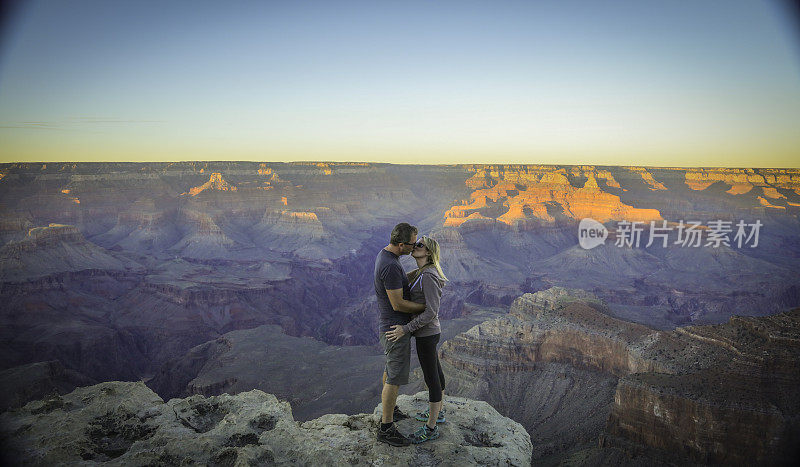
point(426, 289)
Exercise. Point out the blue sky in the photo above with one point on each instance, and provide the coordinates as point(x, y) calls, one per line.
point(674, 83)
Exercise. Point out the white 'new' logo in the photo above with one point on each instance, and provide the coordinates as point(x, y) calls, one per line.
point(591, 233)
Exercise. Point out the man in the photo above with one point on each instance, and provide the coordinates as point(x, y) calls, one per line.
point(391, 288)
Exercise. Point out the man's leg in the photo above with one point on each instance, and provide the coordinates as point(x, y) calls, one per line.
point(396, 371)
point(388, 401)
point(398, 358)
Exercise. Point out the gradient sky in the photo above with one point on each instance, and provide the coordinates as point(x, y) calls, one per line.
point(663, 83)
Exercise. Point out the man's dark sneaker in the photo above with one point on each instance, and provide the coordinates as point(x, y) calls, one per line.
point(398, 415)
point(392, 436)
point(425, 434)
point(423, 416)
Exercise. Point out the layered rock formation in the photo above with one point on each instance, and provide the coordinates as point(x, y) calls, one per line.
point(55, 249)
point(127, 424)
point(721, 393)
point(536, 196)
point(517, 195)
point(732, 399)
point(540, 327)
point(743, 180)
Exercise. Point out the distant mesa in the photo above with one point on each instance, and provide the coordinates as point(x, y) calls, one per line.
point(272, 176)
point(53, 249)
point(771, 192)
point(301, 232)
point(53, 233)
point(216, 182)
point(744, 180)
point(205, 238)
point(293, 222)
point(764, 202)
point(544, 194)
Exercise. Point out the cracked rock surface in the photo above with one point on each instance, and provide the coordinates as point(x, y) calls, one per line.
point(125, 423)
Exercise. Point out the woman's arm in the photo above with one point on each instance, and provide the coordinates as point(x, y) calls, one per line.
point(433, 295)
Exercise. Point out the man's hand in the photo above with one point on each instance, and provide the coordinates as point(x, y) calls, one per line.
point(396, 333)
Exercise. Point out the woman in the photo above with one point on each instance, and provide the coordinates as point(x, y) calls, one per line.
point(426, 287)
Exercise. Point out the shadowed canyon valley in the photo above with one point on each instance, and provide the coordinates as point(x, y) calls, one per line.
point(208, 278)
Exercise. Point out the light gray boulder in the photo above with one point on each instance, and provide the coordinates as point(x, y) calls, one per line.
point(125, 423)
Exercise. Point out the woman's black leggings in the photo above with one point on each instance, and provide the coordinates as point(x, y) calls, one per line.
point(431, 368)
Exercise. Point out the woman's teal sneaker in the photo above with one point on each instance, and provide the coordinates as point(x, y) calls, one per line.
point(423, 416)
point(425, 434)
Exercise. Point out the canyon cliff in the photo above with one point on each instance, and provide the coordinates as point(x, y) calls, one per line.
point(713, 394)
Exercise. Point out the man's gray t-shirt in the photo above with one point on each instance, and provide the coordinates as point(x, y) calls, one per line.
point(389, 275)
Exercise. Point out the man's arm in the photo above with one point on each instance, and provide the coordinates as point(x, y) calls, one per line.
point(402, 305)
point(411, 274)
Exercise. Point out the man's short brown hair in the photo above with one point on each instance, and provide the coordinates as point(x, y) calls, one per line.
point(402, 233)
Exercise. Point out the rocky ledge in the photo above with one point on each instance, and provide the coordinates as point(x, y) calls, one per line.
point(123, 423)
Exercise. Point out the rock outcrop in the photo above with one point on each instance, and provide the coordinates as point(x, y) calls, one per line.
point(556, 325)
point(216, 182)
point(127, 424)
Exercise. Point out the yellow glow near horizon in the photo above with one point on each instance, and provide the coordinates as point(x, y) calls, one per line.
point(598, 148)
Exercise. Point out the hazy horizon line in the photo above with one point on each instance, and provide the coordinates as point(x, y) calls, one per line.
point(400, 163)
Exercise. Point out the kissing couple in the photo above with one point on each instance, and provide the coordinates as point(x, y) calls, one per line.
point(408, 305)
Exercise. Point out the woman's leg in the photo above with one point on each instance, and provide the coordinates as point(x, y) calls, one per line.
point(428, 360)
point(439, 370)
point(441, 377)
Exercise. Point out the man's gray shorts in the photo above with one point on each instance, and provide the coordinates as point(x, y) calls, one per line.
point(398, 359)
